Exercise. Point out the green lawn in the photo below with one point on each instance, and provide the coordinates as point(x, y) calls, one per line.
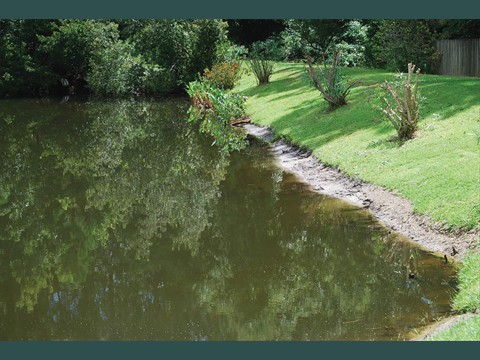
point(467, 330)
point(439, 170)
point(468, 297)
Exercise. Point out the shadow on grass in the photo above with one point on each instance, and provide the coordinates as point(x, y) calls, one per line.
point(277, 86)
point(311, 123)
point(390, 142)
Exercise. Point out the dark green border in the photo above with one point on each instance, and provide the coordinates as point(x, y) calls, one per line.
point(246, 9)
point(241, 9)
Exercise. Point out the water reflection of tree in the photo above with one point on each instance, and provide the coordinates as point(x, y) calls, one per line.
point(315, 267)
point(89, 219)
point(79, 177)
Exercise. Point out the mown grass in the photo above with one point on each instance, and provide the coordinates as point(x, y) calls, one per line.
point(467, 330)
point(468, 296)
point(467, 299)
point(439, 170)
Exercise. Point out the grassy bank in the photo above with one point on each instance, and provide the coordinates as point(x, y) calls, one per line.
point(468, 330)
point(438, 171)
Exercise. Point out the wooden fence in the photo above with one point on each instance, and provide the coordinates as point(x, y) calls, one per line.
point(459, 57)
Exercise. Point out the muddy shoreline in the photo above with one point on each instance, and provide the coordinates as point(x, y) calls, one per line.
point(394, 211)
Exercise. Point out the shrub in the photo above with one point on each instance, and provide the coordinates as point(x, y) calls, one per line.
point(398, 42)
point(402, 107)
point(261, 59)
point(215, 109)
point(293, 46)
point(352, 54)
point(207, 35)
point(228, 52)
point(329, 81)
point(116, 71)
point(352, 44)
point(72, 45)
point(224, 74)
point(183, 48)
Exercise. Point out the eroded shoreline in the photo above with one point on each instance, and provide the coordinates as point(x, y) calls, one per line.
point(394, 211)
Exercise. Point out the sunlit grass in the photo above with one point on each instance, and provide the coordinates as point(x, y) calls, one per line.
point(467, 330)
point(439, 170)
point(468, 296)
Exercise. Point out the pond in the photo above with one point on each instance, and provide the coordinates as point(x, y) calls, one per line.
point(118, 221)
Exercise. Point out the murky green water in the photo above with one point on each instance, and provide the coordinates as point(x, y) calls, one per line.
point(117, 221)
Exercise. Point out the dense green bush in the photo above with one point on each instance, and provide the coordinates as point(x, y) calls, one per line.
point(228, 52)
point(21, 71)
point(224, 74)
point(317, 39)
point(207, 36)
point(116, 72)
point(214, 109)
point(312, 38)
point(69, 50)
point(293, 46)
point(399, 42)
point(183, 49)
point(351, 44)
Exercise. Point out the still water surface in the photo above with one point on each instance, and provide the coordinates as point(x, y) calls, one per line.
point(120, 222)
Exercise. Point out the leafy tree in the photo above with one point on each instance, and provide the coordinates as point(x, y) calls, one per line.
point(457, 28)
point(22, 68)
point(317, 35)
point(352, 43)
point(73, 44)
point(182, 49)
point(207, 37)
point(247, 31)
point(399, 42)
point(116, 71)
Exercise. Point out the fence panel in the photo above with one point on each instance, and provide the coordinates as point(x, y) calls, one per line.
point(459, 57)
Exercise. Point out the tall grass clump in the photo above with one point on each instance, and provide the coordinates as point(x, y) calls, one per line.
point(261, 60)
point(401, 103)
point(330, 82)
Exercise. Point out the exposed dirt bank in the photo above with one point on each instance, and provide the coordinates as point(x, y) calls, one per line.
point(391, 209)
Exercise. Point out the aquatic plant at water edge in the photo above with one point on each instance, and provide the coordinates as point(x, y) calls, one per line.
point(215, 109)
